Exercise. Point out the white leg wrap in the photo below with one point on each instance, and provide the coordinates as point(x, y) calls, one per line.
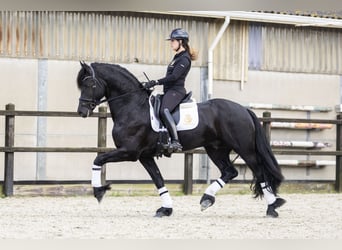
point(165, 196)
point(96, 176)
point(268, 193)
point(215, 187)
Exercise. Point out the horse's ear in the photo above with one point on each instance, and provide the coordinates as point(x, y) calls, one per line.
point(86, 67)
point(83, 64)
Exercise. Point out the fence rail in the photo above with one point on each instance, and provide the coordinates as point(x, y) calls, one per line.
point(9, 149)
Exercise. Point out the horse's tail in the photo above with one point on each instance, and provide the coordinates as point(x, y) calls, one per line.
point(270, 169)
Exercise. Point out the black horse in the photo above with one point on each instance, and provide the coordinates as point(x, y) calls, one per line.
point(224, 126)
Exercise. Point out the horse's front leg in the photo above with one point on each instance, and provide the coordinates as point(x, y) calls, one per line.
point(116, 155)
point(153, 170)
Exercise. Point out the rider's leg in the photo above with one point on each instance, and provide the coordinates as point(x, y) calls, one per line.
point(169, 102)
point(171, 127)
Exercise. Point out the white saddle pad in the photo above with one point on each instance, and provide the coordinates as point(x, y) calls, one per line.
point(188, 117)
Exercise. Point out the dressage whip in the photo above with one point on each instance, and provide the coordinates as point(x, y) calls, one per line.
point(146, 76)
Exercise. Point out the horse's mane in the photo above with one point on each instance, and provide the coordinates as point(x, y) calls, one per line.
point(112, 69)
point(121, 70)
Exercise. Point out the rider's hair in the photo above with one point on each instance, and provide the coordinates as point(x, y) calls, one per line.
point(191, 51)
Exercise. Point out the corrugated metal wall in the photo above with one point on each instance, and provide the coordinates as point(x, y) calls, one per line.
point(117, 37)
point(126, 37)
point(297, 49)
point(121, 37)
point(231, 54)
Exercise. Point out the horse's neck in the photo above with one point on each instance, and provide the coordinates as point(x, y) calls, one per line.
point(129, 106)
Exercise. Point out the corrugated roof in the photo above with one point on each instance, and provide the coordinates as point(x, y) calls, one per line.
point(321, 14)
point(290, 18)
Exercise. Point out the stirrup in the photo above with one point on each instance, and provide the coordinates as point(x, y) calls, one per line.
point(175, 146)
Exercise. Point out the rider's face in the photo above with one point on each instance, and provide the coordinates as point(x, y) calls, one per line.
point(174, 44)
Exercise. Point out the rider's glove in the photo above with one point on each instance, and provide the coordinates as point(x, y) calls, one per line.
point(150, 84)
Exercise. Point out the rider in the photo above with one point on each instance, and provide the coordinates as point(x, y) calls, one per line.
point(173, 82)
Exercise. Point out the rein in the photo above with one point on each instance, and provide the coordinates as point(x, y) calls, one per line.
point(93, 102)
point(117, 97)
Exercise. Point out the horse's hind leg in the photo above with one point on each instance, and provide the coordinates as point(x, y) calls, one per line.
point(153, 170)
point(273, 202)
point(220, 157)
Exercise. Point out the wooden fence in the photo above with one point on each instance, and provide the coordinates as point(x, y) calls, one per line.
point(10, 113)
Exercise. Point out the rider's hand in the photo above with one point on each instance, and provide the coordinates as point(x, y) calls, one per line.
point(150, 84)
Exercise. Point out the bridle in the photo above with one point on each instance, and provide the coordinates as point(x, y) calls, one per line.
point(93, 102)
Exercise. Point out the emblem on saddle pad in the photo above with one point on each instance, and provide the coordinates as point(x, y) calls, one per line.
point(186, 116)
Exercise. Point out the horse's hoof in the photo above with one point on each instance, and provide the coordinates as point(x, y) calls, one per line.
point(163, 211)
point(100, 191)
point(271, 212)
point(207, 201)
point(272, 207)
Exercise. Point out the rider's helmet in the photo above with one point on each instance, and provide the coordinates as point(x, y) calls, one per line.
point(179, 34)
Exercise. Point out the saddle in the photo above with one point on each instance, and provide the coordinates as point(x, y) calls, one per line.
point(156, 103)
point(183, 117)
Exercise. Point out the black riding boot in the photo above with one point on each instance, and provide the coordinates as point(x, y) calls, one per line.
point(167, 118)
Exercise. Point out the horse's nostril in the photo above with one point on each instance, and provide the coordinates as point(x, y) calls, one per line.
point(82, 114)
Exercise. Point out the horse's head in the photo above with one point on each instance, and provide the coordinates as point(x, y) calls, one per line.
point(92, 90)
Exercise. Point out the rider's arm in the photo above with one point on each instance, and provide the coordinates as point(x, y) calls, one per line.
point(179, 69)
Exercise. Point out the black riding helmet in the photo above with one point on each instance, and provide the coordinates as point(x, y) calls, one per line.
point(179, 34)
